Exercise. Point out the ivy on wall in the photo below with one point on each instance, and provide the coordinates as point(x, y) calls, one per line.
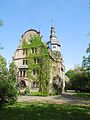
point(38, 61)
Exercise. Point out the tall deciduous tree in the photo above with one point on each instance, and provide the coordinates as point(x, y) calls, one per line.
point(78, 80)
point(8, 92)
point(86, 61)
point(86, 66)
point(12, 72)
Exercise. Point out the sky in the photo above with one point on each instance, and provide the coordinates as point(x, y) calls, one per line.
point(71, 19)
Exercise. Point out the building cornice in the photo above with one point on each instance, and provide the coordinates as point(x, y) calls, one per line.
point(38, 32)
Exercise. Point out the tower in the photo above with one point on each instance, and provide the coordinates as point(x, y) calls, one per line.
point(55, 46)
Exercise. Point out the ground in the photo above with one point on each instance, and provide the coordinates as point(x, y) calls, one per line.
point(64, 98)
point(62, 107)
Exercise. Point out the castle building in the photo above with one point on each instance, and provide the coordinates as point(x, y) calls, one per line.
point(57, 67)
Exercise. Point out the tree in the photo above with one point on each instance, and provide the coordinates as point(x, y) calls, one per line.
point(80, 76)
point(78, 82)
point(77, 79)
point(12, 72)
point(8, 92)
point(70, 73)
point(86, 67)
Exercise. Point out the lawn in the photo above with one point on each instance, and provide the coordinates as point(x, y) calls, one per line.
point(44, 111)
point(82, 95)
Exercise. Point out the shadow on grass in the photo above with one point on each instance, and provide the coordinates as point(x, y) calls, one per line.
point(71, 97)
point(43, 111)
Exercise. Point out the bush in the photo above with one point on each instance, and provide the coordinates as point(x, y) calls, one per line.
point(8, 93)
point(27, 91)
point(82, 95)
point(39, 94)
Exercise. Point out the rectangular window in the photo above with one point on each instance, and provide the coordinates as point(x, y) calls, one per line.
point(34, 84)
point(24, 73)
point(36, 50)
point(20, 73)
point(24, 51)
point(54, 46)
point(37, 72)
point(24, 62)
point(62, 69)
point(59, 69)
point(34, 72)
point(54, 68)
point(38, 60)
point(32, 50)
point(35, 61)
point(28, 41)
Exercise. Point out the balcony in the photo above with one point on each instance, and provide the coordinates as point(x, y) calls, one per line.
point(23, 67)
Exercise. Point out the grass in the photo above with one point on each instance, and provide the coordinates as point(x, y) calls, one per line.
point(82, 95)
point(38, 94)
point(44, 111)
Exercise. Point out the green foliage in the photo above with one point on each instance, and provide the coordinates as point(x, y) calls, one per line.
point(82, 95)
point(77, 80)
point(38, 50)
point(36, 41)
point(80, 77)
point(27, 91)
point(25, 45)
point(69, 73)
point(88, 49)
point(8, 92)
point(86, 61)
point(12, 72)
point(39, 94)
point(86, 67)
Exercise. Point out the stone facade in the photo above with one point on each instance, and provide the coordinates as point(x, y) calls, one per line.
point(56, 63)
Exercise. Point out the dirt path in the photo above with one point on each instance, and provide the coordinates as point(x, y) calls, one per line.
point(64, 98)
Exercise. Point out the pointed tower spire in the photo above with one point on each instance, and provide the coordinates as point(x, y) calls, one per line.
point(53, 39)
point(52, 23)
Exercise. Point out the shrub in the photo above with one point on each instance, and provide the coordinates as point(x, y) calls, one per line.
point(39, 94)
point(27, 91)
point(8, 91)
